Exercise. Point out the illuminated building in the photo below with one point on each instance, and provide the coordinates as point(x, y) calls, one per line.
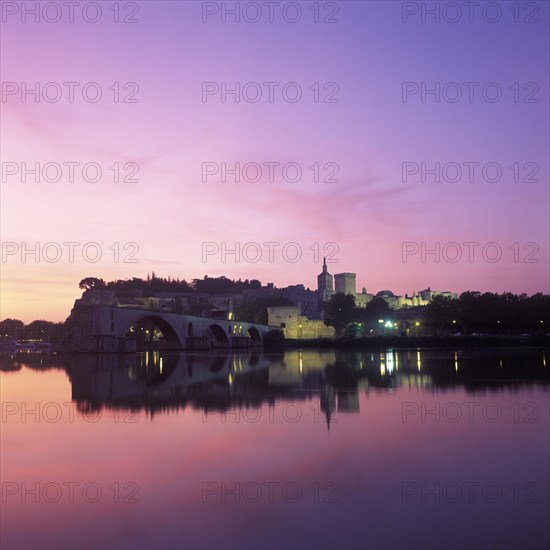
point(294, 325)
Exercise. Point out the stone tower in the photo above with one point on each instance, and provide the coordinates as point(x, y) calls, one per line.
point(324, 284)
point(345, 283)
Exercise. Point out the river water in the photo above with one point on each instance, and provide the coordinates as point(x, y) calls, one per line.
point(382, 449)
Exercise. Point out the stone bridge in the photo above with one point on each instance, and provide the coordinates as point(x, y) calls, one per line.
point(102, 328)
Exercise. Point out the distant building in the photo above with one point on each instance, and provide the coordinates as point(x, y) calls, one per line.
point(325, 287)
point(345, 283)
point(302, 297)
point(362, 299)
point(294, 325)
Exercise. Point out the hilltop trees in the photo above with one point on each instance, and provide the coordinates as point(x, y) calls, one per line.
point(207, 285)
point(90, 283)
point(223, 285)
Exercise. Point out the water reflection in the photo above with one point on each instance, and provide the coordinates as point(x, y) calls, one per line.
point(387, 432)
point(157, 381)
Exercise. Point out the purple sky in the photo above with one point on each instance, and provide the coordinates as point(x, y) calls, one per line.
point(170, 132)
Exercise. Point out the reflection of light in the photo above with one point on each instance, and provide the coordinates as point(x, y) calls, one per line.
point(500, 363)
point(160, 365)
point(146, 360)
point(456, 361)
point(390, 361)
point(230, 379)
point(382, 369)
point(301, 363)
point(361, 365)
point(396, 361)
point(543, 359)
point(418, 363)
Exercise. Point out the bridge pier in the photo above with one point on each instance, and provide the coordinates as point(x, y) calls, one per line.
point(197, 342)
point(240, 342)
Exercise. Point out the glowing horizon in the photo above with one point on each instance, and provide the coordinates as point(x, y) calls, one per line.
point(178, 123)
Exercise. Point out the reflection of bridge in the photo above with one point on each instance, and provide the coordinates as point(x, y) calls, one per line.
point(209, 381)
point(161, 378)
point(101, 328)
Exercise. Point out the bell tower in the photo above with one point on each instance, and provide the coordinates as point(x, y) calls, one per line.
point(324, 284)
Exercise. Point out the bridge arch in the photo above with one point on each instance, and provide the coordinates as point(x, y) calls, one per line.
point(219, 334)
point(255, 335)
point(147, 323)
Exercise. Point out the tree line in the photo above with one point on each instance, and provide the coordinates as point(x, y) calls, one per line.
point(489, 312)
point(207, 285)
point(472, 312)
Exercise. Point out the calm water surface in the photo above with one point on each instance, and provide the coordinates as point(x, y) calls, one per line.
point(392, 449)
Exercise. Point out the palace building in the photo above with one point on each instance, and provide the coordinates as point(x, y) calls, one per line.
point(345, 283)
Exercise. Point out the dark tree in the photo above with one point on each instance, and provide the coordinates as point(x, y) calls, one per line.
point(91, 283)
point(375, 310)
point(440, 312)
point(340, 310)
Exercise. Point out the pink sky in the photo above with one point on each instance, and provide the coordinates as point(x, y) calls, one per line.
point(169, 133)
